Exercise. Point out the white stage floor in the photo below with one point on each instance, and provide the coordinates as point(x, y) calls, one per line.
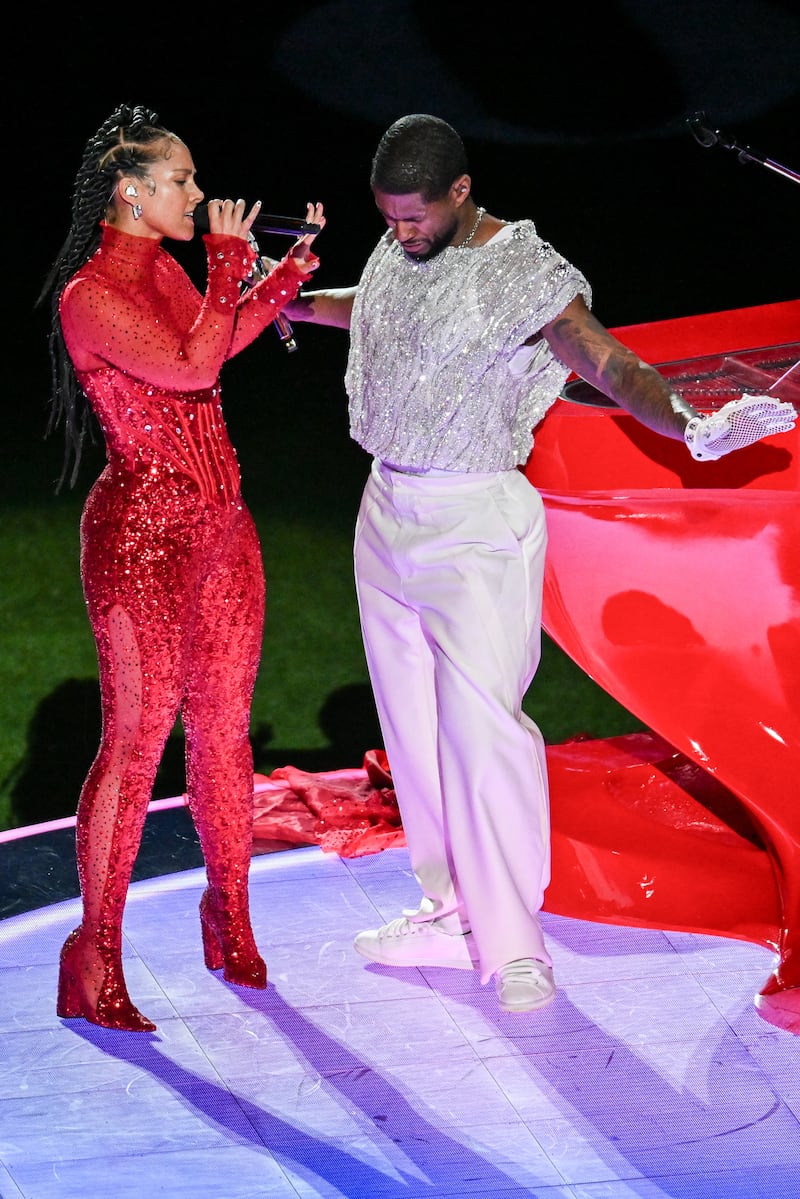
point(650, 1075)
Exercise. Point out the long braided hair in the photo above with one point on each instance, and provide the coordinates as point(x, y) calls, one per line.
point(125, 144)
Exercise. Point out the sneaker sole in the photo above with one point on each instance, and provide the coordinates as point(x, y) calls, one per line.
point(380, 960)
point(530, 1007)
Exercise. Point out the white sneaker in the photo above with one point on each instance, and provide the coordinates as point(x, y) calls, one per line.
point(402, 942)
point(524, 985)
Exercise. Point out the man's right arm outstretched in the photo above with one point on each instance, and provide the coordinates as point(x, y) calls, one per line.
point(331, 306)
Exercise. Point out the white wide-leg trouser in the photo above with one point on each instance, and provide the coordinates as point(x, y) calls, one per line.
point(449, 570)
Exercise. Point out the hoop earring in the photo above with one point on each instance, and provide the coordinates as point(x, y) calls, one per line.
point(137, 211)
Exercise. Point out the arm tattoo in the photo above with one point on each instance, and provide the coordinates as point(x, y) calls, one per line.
point(596, 355)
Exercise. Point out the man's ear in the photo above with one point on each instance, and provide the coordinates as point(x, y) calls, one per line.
point(460, 189)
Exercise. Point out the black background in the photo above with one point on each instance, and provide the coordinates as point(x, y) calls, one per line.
point(576, 119)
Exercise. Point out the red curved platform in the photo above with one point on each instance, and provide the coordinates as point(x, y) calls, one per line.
point(675, 585)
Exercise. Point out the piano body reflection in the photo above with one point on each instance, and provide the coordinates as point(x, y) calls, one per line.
point(675, 585)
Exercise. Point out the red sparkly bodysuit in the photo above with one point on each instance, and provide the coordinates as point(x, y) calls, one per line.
point(173, 579)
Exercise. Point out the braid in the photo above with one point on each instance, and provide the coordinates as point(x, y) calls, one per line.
point(125, 144)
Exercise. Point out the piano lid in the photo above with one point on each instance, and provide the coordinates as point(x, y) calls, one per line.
point(709, 381)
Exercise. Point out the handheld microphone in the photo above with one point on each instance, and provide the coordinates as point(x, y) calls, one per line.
point(264, 223)
point(288, 226)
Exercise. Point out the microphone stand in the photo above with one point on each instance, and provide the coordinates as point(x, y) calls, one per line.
point(281, 324)
point(705, 136)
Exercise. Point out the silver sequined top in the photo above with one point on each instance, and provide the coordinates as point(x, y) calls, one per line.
point(437, 374)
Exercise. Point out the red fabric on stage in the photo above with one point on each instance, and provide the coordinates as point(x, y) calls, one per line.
point(348, 812)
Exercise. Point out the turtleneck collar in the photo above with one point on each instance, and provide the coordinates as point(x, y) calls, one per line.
point(126, 247)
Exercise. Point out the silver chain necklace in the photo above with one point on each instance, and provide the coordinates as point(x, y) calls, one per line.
point(473, 230)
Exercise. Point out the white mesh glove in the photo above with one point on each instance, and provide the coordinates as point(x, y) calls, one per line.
point(737, 424)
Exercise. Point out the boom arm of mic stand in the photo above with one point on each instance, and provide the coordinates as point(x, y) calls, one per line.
point(715, 137)
point(745, 154)
point(781, 170)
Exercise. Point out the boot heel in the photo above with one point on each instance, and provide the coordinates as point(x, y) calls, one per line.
point(68, 1004)
point(212, 949)
point(228, 945)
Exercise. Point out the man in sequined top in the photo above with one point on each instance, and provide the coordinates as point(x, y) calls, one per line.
point(463, 330)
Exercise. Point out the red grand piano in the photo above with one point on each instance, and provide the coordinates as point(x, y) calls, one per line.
point(675, 585)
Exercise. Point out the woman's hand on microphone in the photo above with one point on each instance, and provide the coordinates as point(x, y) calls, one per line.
point(301, 250)
point(225, 216)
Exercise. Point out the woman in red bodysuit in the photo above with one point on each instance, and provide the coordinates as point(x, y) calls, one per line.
point(170, 559)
